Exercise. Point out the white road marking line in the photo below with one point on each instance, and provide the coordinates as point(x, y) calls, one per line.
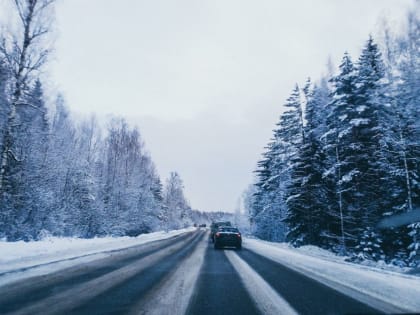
point(372, 299)
point(265, 297)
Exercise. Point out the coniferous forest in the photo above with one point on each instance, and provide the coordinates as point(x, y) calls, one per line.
point(345, 155)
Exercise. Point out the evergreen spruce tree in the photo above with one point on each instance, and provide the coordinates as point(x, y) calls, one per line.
point(339, 147)
point(373, 133)
point(274, 172)
point(307, 218)
point(289, 137)
point(407, 100)
point(264, 200)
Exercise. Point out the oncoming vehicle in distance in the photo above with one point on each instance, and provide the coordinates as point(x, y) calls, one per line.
point(227, 236)
point(215, 226)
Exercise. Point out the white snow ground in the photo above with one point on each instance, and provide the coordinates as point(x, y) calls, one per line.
point(361, 282)
point(26, 259)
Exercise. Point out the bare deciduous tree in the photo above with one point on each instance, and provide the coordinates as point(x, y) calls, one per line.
point(24, 52)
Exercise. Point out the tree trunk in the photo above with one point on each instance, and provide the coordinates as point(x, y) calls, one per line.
point(340, 204)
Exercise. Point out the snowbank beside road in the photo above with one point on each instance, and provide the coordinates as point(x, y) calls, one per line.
point(361, 282)
point(63, 252)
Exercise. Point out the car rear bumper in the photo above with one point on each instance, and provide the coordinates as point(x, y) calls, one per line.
point(235, 243)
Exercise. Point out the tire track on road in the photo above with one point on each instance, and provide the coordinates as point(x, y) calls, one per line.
point(304, 294)
point(219, 289)
point(173, 295)
point(28, 291)
point(121, 298)
point(66, 300)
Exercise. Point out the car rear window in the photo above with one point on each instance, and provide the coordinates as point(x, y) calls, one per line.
point(228, 229)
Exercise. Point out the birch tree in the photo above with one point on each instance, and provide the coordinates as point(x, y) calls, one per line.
point(24, 54)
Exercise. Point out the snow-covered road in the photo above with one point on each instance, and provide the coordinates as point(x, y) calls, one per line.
point(181, 273)
point(373, 285)
point(27, 259)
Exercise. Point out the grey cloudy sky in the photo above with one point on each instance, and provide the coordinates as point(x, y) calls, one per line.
point(204, 80)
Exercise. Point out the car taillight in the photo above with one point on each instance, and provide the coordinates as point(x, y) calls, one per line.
point(217, 234)
point(239, 235)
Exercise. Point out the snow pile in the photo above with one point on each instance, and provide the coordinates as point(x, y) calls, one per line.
point(23, 255)
point(394, 288)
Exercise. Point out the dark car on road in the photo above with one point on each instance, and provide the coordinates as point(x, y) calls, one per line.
point(227, 236)
point(215, 226)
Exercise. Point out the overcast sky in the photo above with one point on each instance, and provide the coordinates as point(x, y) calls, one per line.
point(204, 80)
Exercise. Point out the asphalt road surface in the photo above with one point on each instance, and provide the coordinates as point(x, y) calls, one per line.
point(180, 275)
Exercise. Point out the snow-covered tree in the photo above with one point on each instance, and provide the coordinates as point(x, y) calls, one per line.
point(372, 136)
point(307, 216)
point(130, 185)
point(352, 159)
point(33, 133)
point(176, 206)
point(23, 52)
point(407, 100)
point(4, 78)
point(357, 144)
point(274, 172)
point(337, 147)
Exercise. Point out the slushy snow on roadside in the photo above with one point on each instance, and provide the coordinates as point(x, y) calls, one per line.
point(352, 279)
point(22, 259)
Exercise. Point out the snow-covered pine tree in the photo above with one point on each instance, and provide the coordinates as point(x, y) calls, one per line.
point(287, 137)
point(263, 203)
point(273, 173)
point(370, 138)
point(372, 133)
point(248, 197)
point(260, 193)
point(291, 129)
point(307, 218)
point(407, 99)
point(337, 141)
point(357, 142)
